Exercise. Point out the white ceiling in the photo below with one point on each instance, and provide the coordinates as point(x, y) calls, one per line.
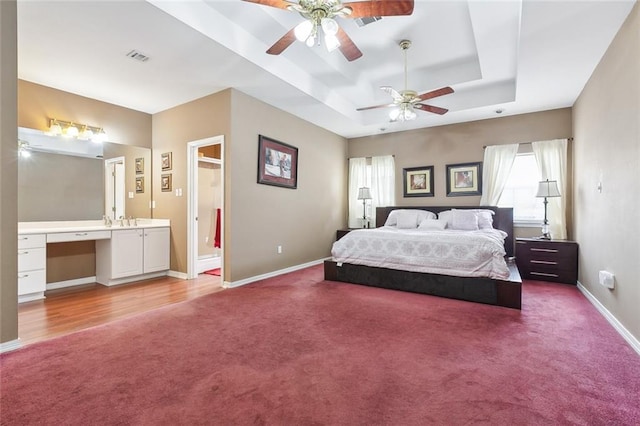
point(516, 56)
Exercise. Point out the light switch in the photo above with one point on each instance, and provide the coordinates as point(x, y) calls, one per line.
point(130, 194)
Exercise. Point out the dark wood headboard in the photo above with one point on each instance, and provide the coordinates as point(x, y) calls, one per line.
point(503, 219)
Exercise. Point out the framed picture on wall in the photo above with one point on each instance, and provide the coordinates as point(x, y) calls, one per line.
point(277, 163)
point(139, 166)
point(139, 185)
point(166, 161)
point(165, 182)
point(418, 181)
point(464, 179)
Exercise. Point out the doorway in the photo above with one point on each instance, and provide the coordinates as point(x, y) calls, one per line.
point(114, 188)
point(205, 226)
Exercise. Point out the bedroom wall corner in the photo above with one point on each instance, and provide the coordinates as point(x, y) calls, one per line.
point(8, 172)
point(606, 122)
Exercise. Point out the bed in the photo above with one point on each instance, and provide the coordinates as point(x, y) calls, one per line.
point(492, 281)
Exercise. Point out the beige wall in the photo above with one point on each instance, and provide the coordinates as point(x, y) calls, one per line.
point(172, 130)
point(461, 143)
point(303, 221)
point(607, 149)
point(8, 173)
point(37, 104)
point(257, 217)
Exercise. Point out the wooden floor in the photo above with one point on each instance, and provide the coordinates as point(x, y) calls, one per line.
point(67, 310)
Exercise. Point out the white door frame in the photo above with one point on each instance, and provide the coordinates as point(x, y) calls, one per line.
point(192, 203)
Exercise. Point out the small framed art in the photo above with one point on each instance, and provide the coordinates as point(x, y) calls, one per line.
point(418, 181)
point(166, 161)
point(277, 163)
point(165, 182)
point(464, 179)
point(139, 166)
point(139, 185)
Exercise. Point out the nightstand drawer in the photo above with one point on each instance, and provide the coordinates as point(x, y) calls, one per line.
point(547, 260)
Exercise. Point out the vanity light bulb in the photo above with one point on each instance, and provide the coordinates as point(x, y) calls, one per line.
point(72, 131)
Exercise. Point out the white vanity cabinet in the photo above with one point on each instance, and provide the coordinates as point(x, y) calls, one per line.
point(32, 265)
point(132, 254)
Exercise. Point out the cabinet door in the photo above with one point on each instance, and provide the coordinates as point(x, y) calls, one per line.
point(126, 246)
point(156, 249)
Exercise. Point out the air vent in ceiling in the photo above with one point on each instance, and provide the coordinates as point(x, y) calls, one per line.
point(138, 56)
point(367, 20)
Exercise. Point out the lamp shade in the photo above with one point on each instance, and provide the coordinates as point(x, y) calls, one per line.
point(364, 193)
point(548, 188)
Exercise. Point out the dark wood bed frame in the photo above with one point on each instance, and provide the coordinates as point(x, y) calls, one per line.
point(507, 293)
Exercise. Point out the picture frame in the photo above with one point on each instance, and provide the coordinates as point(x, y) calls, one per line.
point(277, 163)
point(166, 161)
point(418, 181)
point(139, 185)
point(464, 179)
point(165, 182)
point(139, 165)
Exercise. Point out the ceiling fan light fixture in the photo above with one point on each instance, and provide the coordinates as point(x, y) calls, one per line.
point(329, 26)
point(331, 42)
point(403, 113)
point(303, 30)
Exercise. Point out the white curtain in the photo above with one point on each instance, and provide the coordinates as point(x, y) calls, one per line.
point(357, 179)
point(383, 184)
point(498, 160)
point(551, 157)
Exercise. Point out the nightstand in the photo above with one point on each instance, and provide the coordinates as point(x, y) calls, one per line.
point(547, 260)
point(342, 232)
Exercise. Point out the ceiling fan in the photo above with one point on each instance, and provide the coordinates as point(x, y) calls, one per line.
point(320, 21)
point(407, 101)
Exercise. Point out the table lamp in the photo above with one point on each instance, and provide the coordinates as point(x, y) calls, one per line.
point(364, 194)
point(547, 188)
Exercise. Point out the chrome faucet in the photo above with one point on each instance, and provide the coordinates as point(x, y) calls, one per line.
point(121, 220)
point(107, 221)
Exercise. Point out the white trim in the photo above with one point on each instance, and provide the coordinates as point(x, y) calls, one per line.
point(192, 201)
point(71, 283)
point(208, 263)
point(617, 325)
point(233, 284)
point(30, 297)
point(176, 274)
point(9, 346)
point(125, 280)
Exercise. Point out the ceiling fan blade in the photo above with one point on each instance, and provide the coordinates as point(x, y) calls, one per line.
point(347, 46)
point(280, 4)
point(284, 42)
point(391, 91)
point(377, 106)
point(435, 93)
point(431, 108)
point(365, 9)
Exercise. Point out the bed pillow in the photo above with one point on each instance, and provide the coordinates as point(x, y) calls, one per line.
point(433, 225)
point(485, 218)
point(407, 220)
point(446, 216)
point(464, 220)
point(392, 219)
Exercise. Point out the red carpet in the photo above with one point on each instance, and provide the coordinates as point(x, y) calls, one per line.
point(296, 350)
point(213, 272)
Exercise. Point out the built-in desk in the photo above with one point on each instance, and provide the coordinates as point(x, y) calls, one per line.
point(153, 234)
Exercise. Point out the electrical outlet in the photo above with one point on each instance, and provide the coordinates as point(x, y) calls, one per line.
point(279, 249)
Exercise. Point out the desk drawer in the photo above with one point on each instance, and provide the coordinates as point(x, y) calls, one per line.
point(62, 237)
point(33, 258)
point(31, 240)
point(31, 282)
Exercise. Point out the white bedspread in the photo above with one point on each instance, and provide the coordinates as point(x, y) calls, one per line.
point(449, 252)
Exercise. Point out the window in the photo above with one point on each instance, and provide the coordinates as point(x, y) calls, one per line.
point(520, 190)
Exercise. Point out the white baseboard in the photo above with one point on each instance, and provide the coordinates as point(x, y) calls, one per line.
point(176, 274)
point(9, 346)
point(71, 283)
point(208, 263)
point(119, 281)
point(232, 284)
point(626, 335)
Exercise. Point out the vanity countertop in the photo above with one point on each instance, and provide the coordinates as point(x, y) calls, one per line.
point(51, 227)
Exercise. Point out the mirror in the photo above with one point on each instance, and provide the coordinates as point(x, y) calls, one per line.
point(59, 182)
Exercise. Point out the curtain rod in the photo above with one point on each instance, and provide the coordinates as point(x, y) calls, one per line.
point(529, 143)
point(349, 158)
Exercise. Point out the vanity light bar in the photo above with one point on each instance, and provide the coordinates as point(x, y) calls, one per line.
point(76, 130)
